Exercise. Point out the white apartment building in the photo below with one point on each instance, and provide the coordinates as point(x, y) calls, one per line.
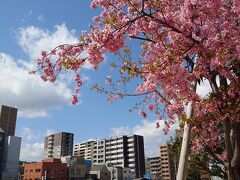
point(124, 151)
point(99, 152)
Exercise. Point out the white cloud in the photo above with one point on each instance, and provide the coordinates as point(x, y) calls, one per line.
point(204, 88)
point(50, 131)
point(32, 152)
point(33, 39)
point(30, 13)
point(28, 135)
point(40, 18)
point(32, 148)
point(153, 137)
point(119, 131)
point(29, 93)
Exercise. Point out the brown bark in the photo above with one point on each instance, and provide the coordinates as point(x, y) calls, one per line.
point(232, 144)
point(228, 146)
point(235, 161)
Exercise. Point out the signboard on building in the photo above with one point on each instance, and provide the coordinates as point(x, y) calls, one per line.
point(87, 162)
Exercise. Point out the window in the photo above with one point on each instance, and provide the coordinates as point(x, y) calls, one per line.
point(38, 170)
point(78, 171)
point(72, 170)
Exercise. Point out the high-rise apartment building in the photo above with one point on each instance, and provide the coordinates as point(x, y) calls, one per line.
point(153, 167)
point(124, 151)
point(58, 145)
point(8, 116)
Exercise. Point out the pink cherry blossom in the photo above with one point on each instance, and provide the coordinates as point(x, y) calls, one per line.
point(157, 125)
point(74, 99)
point(150, 107)
point(142, 113)
point(180, 42)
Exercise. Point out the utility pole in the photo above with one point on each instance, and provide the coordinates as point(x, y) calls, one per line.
point(182, 167)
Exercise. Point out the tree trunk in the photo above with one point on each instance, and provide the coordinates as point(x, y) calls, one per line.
point(235, 161)
point(228, 147)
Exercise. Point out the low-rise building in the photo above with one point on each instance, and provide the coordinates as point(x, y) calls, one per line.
point(153, 167)
point(121, 173)
point(78, 168)
point(99, 172)
point(48, 169)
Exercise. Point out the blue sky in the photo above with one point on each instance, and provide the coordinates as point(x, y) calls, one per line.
point(27, 27)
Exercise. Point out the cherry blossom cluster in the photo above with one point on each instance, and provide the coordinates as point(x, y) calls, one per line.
point(182, 41)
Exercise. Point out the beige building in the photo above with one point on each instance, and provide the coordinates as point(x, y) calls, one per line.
point(167, 170)
point(153, 167)
point(85, 149)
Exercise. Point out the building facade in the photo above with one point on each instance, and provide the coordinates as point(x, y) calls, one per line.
point(99, 172)
point(78, 168)
point(50, 169)
point(120, 173)
point(8, 116)
point(10, 160)
point(9, 144)
point(99, 152)
point(153, 167)
point(2, 138)
point(58, 145)
point(85, 149)
point(124, 151)
point(167, 169)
